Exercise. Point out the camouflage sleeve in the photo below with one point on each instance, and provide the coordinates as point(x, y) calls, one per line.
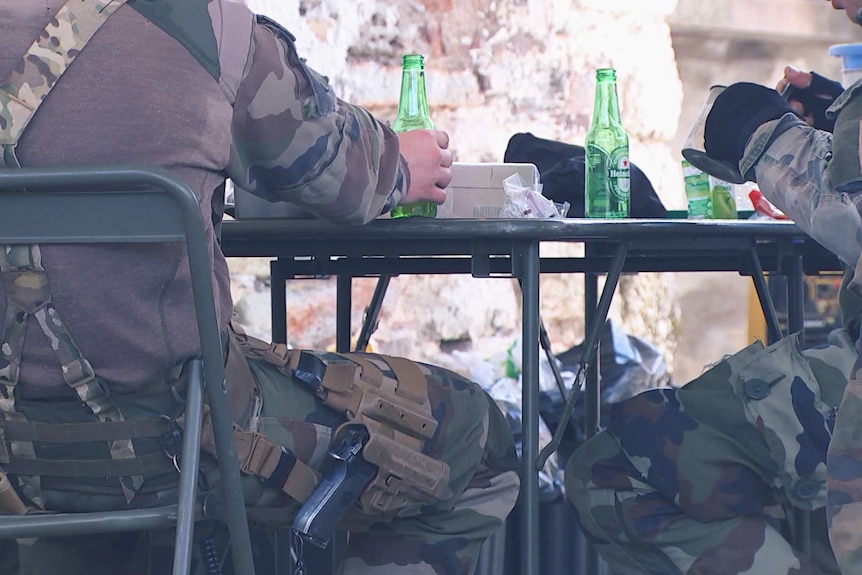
point(791, 163)
point(294, 140)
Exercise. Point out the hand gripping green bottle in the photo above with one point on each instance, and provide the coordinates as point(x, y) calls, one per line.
point(413, 115)
point(608, 175)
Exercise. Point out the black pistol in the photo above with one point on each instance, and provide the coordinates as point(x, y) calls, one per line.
point(338, 490)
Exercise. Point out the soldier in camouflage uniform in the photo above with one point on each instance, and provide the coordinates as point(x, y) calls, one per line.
point(703, 479)
point(209, 91)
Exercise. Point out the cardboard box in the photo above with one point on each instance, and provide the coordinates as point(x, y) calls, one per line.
point(249, 206)
point(476, 192)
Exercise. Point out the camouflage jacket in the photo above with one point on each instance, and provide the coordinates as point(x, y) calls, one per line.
point(207, 90)
point(799, 169)
point(759, 421)
point(292, 138)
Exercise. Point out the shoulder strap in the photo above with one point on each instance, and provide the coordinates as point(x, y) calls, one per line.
point(48, 58)
point(24, 279)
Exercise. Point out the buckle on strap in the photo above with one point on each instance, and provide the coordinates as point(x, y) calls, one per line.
point(259, 457)
point(94, 394)
point(275, 465)
point(172, 441)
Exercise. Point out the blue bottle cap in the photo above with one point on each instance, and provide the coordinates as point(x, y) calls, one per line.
point(851, 54)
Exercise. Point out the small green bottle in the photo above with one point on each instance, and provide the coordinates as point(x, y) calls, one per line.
point(608, 175)
point(697, 192)
point(413, 115)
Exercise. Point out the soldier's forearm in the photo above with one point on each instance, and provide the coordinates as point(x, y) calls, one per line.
point(793, 173)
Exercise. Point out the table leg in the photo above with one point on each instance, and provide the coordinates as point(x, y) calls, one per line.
point(591, 560)
point(529, 258)
point(344, 301)
point(595, 317)
point(796, 298)
point(595, 313)
point(796, 324)
point(766, 304)
point(278, 301)
point(545, 342)
point(372, 313)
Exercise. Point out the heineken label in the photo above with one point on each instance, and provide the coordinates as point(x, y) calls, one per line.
point(619, 174)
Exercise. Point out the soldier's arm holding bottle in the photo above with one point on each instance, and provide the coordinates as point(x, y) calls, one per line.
point(295, 140)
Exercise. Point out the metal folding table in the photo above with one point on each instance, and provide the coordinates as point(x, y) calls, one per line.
point(510, 248)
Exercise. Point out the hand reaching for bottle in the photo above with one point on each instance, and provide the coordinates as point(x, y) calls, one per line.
point(429, 161)
point(810, 94)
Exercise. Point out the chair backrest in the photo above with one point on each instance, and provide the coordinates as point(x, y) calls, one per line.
point(131, 204)
point(112, 205)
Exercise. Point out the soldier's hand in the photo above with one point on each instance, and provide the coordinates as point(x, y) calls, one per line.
point(429, 161)
point(810, 95)
point(736, 114)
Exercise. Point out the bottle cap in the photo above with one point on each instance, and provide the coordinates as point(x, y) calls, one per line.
point(413, 59)
point(851, 62)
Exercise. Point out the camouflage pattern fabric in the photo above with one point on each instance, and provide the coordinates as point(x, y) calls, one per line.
point(697, 480)
point(473, 437)
point(798, 169)
point(331, 157)
point(293, 139)
point(270, 123)
point(24, 279)
point(47, 59)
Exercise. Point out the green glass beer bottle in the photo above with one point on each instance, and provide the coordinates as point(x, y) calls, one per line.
point(413, 115)
point(608, 175)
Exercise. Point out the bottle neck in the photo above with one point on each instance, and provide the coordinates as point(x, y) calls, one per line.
point(606, 107)
point(413, 100)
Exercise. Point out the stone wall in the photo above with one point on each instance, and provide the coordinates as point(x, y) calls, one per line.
point(495, 68)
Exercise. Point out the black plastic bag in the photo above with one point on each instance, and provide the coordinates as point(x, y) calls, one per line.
point(562, 169)
point(628, 365)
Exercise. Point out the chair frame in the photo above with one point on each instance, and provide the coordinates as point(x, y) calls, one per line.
point(135, 204)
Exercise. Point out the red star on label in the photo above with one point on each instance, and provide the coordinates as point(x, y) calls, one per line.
point(625, 163)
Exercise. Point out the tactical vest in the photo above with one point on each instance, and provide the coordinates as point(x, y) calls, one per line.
point(387, 395)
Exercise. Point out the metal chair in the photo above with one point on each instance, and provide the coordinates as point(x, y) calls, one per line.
point(136, 205)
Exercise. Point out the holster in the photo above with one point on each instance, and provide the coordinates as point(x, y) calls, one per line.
point(405, 476)
point(389, 396)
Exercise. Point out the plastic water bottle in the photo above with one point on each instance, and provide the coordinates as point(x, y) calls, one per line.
point(697, 192)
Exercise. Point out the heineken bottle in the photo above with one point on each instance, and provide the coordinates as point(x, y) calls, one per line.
point(413, 115)
point(608, 176)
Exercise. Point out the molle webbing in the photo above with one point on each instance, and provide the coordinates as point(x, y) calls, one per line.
point(16, 431)
point(84, 432)
point(136, 466)
point(275, 465)
point(24, 279)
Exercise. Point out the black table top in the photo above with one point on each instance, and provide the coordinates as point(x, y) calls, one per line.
point(653, 245)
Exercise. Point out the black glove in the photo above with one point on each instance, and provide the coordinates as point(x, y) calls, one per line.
point(816, 99)
point(737, 112)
